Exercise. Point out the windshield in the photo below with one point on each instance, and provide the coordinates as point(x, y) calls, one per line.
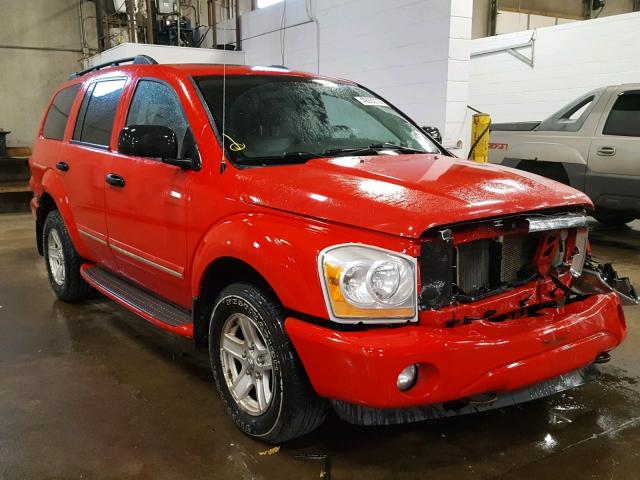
point(272, 120)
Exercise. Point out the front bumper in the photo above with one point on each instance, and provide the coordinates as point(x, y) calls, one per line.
point(361, 367)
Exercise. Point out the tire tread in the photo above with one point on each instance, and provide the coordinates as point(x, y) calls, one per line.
point(303, 410)
point(75, 288)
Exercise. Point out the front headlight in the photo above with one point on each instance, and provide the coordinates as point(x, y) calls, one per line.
point(363, 283)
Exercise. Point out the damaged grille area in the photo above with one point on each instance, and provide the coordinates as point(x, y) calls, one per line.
point(516, 256)
point(474, 269)
point(472, 260)
point(484, 266)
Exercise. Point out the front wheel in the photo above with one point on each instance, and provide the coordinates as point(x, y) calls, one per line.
point(62, 260)
point(258, 375)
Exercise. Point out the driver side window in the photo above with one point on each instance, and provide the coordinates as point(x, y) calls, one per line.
point(156, 103)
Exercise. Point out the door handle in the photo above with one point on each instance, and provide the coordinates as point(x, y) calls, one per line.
point(115, 180)
point(607, 151)
point(62, 166)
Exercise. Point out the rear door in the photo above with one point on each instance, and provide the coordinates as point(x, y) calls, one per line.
point(56, 124)
point(147, 212)
point(86, 156)
point(613, 178)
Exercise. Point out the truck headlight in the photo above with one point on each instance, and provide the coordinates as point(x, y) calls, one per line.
point(363, 283)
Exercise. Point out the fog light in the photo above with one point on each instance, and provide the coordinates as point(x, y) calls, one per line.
point(407, 378)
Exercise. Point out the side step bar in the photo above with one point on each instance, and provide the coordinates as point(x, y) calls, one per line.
point(159, 312)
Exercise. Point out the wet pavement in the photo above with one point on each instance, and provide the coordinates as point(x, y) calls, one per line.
point(92, 391)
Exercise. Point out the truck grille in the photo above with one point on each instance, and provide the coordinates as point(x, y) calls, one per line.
point(486, 265)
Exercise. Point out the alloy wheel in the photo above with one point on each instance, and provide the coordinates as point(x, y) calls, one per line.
point(55, 254)
point(246, 364)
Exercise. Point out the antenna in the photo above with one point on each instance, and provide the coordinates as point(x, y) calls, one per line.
point(223, 161)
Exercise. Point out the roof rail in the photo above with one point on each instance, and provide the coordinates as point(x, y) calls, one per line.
point(137, 60)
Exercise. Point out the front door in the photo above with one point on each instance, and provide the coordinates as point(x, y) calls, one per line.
point(613, 178)
point(147, 201)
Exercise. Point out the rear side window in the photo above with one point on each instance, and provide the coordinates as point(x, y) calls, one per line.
point(58, 114)
point(624, 119)
point(97, 112)
point(572, 117)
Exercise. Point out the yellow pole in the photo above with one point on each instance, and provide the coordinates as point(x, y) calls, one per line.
point(480, 137)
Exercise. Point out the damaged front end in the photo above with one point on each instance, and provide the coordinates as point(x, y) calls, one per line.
point(507, 268)
point(598, 278)
point(511, 309)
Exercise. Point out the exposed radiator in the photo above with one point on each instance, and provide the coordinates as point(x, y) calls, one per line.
point(486, 265)
point(474, 266)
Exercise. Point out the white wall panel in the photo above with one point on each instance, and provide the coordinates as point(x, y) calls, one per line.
point(570, 59)
point(415, 53)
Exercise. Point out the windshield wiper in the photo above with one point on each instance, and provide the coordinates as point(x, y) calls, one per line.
point(393, 146)
point(287, 158)
point(373, 149)
point(337, 152)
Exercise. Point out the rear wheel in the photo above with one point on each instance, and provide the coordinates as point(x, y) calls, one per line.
point(62, 260)
point(258, 375)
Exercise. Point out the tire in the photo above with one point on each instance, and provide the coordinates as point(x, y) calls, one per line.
point(614, 219)
point(289, 408)
point(65, 280)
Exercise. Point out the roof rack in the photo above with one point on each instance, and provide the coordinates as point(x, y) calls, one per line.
point(137, 60)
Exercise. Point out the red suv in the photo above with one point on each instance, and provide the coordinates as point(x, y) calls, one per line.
point(323, 247)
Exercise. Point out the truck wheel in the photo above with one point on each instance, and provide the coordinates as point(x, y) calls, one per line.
point(258, 374)
point(62, 261)
point(614, 218)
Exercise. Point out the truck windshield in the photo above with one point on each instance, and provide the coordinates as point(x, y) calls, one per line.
point(271, 120)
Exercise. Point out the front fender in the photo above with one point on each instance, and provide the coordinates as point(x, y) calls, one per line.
point(284, 250)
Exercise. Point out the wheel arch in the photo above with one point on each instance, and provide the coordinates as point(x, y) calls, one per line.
point(572, 174)
point(53, 190)
point(553, 170)
point(219, 274)
point(46, 204)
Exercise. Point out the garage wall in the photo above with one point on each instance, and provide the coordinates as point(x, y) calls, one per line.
point(166, 54)
point(51, 31)
point(570, 60)
point(413, 52)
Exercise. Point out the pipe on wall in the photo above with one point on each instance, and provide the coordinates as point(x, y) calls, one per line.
point(100, 24)
point(45, 49)
point(211, 17)
point(131, 19)
point(238, 26)
point(149, 22)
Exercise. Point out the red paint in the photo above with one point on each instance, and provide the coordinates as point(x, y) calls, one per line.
point(498, 146)
point(277, 219)
point(362, 367)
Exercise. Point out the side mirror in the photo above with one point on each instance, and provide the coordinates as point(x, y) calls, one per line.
point(433, 132)
point(153, 141)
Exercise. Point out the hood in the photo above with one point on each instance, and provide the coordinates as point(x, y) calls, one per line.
point(402, 194)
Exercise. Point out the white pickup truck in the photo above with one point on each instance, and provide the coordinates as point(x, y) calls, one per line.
point(592, 144)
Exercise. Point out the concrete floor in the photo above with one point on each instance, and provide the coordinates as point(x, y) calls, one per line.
point(92, 391)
